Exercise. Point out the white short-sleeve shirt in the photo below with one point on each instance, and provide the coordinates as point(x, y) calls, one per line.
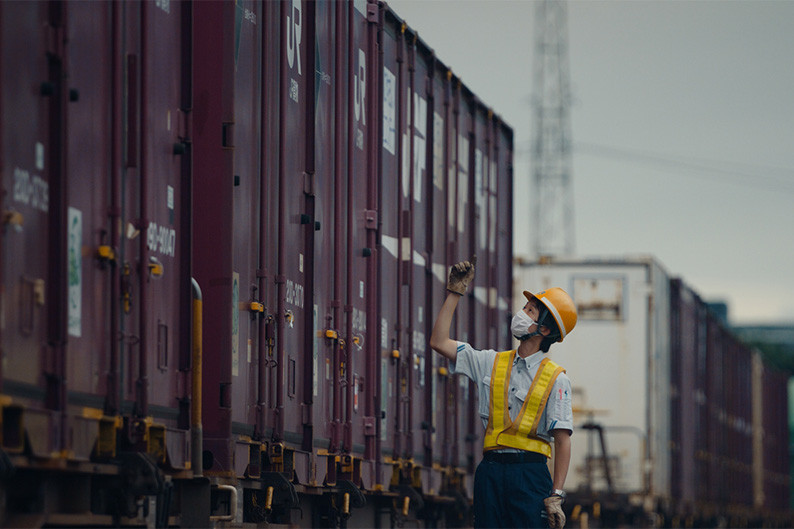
point(478, 365)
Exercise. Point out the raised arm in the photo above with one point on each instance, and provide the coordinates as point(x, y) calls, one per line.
point(440, 341)
point(460, 276)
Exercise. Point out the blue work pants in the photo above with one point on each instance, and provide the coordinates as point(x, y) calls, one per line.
point(510, 494)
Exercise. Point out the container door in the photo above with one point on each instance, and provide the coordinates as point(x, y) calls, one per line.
point(330, 87)
point(361, 220)
point(249, 233)
point(420, 322)
point(391, 196)
point(437, 374)
point(33, 258)
point(159, 245)
point(91, 168)
point(463, 243)
point(295, 263)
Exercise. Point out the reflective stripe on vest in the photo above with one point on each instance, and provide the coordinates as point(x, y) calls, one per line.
point(523, 432)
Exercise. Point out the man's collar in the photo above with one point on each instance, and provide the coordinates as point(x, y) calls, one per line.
point(532, 360)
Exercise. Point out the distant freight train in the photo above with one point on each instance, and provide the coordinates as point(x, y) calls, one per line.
point(226, 230)
point(677, 422)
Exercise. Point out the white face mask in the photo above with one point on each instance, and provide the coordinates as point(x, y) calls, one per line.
point(521, 324)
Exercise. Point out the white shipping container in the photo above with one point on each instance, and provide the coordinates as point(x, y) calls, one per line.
point(618, 360)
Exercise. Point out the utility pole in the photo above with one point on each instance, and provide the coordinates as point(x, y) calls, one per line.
point(551, 164)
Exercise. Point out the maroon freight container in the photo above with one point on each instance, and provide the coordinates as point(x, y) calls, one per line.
point(103, 190)
point(726, 417)
point(686, 398)
point(772, 439)
point(227, 230)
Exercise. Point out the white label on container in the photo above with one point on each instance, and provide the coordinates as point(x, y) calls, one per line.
point(39, 156)
point(294, 26)
point(389, 121)
point(420, 135)
point(74, 232)
point(316, 354)
point(438, 150)
point(31, 190)
point(235, 324)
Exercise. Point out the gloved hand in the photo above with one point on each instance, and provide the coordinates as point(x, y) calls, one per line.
point(461, 275)
point(554, 511)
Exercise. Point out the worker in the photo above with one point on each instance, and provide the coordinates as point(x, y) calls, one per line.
point(524, 404)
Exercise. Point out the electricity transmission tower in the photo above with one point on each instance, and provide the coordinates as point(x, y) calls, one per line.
point(551, 164)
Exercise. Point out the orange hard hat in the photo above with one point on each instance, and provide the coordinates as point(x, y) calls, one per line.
point(560, 306)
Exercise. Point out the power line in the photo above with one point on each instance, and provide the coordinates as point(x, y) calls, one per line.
point(740, 173)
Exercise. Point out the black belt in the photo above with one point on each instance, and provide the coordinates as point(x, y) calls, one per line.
point(514, 457)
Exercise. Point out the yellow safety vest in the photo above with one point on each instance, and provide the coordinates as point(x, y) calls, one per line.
point(502, 432)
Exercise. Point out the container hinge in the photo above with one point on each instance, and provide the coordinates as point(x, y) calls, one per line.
point(308, 183)
point(371, 219)
point(106, 255)
point(372, 13)
point(54, 36)
point(183, 123)
point(369, 426)
point(227, 141)
point(256, 308)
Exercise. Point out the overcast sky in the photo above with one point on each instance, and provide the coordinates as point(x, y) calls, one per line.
point(683, 131)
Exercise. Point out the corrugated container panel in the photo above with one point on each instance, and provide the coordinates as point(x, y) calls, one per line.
point(462, 244)
point(391, 197)
point(683, 421)
point(293, 269)
point(330, 234)
point(739, 418)
point(213, 244)
point(422, 247)
point(501, 202)
point(714, 478)
point(361, 187)
point(34, 241)
point(247, 367)
point(164, 297)
point(92, 161)
point(273, 54)
point(479, 215)
point(88, 162)
point(776, 485)
point(438, 382)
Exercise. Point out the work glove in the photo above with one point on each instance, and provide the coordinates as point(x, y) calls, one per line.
point(554, 511)
point(461, 275)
